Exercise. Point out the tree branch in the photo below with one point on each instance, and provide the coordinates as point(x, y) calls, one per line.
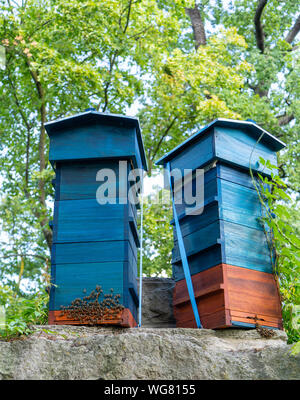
point(163, 137)
point(128, 16)
point(285, 119)
point(259, 33)
point(114, 57)
point(42, 157)
point(108, 83)
point(294, 31)
point(28, 127)
point(197, 25)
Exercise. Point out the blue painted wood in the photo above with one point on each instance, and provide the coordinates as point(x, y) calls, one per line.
point(72, 279)
point(91, 252)
point(247, 127)
point(236, 214)
point(248, 325)
point(86, 221)
point(192, 223)
point(229, 145)
point(92, 241)
point(246, 247)
point(194, 157)
point(229, 229)
point(234, 174)
point(131, 300)
point(134, 231)
point(239, 204)
point(232, 180)
point(78, 179)
point(198, 262)
point(210, 194)
point(183, 256)
point(242, 246)
point(199, 240)
point(98, 120)
point(236, 146)
point(99, 142)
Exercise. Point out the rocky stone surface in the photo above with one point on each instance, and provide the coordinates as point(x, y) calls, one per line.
point(155, 351)
point(157, 309)
point(72, 352)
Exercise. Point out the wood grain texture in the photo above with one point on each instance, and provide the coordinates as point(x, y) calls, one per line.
point(253, 291)
point(236, 147)
point(72, 279)
point(241, 246)
point(91, 252)
point(234, 174)
point(240, 204)
point(198, 262)
point(227, 294)
point(246, 247)
point(195, 156)
point(245, 128)
point(199, 240)
point(87, 220)
point(99, 141)
point(217, 320)
point(124, 319)
point(94, 244)
point(77, 179)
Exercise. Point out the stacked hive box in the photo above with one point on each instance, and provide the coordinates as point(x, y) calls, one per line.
point(226, 246)
point(94, 244)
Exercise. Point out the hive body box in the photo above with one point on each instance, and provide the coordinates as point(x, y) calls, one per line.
point(227, 250)
point(94, 244)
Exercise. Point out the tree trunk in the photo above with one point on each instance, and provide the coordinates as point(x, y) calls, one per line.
point(197, 25)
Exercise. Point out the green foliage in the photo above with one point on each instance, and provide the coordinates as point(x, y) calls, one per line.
point(295, 349)
point(65, 56)
point(282, 232)
point(158, 235)
point(22, 311)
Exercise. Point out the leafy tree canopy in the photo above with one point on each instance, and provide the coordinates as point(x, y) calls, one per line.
point(180, 63)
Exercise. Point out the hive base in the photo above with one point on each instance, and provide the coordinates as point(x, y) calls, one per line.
point(124, 319)
point(229, 296)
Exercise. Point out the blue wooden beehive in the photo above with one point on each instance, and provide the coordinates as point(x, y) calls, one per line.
point(94, 245)
point(227, 238)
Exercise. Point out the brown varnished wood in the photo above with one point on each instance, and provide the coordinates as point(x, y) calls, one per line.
point(227, 293)
point(206, 306)
point(219, 319)
point(252, 292)
point(124, 319)
point(263, 320)
point(209, 278)
point(200, 293)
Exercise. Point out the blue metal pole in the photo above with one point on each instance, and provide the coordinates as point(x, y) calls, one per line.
point(183, 256)
point(141, 252)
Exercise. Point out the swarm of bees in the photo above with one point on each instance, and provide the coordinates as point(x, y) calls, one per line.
point(264, 332)
point(91, 310)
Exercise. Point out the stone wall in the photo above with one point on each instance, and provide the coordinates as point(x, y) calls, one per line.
point(155, 351)
point(72, 352)
point(157, 306)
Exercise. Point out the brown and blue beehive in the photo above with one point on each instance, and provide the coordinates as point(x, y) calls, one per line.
point(94, 245)
point(227, 250)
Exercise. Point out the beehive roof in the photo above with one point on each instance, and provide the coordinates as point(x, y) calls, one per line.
point(90, 116)
point(249, 126)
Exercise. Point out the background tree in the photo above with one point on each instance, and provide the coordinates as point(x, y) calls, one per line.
point(180, 63)
point(61, 57)
point(202, 89)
